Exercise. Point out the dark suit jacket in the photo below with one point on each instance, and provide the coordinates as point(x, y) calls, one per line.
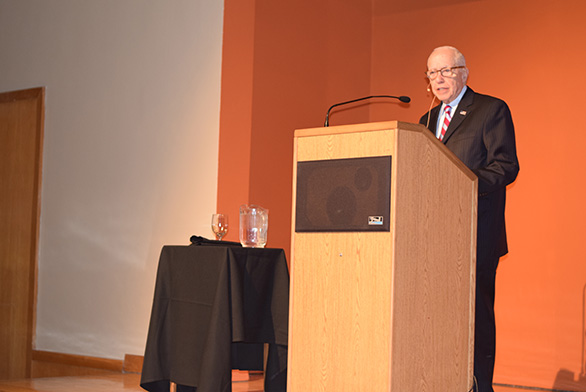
point(482, 135)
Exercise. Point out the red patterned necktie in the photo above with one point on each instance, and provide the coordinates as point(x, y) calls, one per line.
point(447, 118)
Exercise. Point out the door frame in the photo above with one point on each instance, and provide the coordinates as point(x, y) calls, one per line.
point(22, 115)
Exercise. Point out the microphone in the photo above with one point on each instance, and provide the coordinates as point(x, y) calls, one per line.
point(429, 112)
point(430, 105)
point(402, 98)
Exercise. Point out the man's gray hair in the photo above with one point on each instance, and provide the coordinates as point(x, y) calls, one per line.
point(459, 58)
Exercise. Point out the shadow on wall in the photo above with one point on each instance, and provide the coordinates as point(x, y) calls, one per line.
point(564, 381)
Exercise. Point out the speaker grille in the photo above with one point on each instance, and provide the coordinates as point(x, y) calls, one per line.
point(344, 195)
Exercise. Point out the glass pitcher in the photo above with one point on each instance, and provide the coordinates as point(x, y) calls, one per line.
point(254, 223)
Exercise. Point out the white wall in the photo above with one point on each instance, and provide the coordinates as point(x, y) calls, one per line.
point(130, 153)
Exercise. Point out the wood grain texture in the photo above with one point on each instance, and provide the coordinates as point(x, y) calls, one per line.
point(337, 328)
point(433, 304)
point(335, 325)
point(389, 311)
point(129, 382)
point(53, 364)
point(21, 140)
point(133, 363)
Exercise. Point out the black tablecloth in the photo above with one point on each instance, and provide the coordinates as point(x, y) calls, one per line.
point(213, 309)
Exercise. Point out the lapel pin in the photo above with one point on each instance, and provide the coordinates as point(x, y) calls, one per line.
point(463, 112)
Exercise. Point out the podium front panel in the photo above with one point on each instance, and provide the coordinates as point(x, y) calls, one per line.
point(380, 310)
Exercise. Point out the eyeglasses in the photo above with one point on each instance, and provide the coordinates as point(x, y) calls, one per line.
point(446, 72)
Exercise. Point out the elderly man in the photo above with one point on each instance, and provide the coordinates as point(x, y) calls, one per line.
point(479, 130)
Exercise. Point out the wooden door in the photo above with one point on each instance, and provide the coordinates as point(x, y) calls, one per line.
point(21, 141)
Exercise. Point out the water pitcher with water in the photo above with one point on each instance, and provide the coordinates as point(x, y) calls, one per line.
point(254, 223)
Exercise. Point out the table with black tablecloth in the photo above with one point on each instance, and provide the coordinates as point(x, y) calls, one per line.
point(214, 308)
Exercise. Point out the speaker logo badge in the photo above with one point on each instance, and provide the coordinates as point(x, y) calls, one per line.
point(375, 220)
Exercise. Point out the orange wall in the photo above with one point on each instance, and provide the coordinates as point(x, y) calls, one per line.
point(285, 63)
point(235, 110)
point(532, 55)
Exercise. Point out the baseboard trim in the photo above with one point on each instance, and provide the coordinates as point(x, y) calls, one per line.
point(78, 360)
point(130, 364)
point(133, 363)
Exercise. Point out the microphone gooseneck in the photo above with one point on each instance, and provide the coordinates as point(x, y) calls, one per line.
point(401, 98)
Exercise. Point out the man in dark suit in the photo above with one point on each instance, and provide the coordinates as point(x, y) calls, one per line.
point(479, 130)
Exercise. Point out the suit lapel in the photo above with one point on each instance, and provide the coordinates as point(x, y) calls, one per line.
point(462, 111)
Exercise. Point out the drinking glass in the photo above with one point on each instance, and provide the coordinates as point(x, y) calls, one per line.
point(220, 225)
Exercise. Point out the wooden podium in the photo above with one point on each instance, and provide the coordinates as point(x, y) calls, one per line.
point(393, 309)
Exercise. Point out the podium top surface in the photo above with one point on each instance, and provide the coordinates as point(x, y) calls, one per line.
point(363, 127)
